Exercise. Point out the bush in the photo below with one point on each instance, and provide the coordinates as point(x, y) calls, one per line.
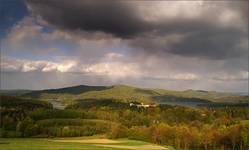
point(118, 131)
point(10, 134)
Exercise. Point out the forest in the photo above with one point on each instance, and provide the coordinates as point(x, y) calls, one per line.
point(178, 126)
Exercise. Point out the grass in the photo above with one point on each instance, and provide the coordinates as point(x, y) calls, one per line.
point(45, 144)
point(76, 144)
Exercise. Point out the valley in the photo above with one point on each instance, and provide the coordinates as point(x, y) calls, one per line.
point(123, 117)
point(126, 93)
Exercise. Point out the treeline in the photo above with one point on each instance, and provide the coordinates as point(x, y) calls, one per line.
point(188, 137)
point(90, 103)
point(52, 123)
point(20, 103)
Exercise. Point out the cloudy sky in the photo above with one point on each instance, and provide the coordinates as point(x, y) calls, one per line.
point(161, 44)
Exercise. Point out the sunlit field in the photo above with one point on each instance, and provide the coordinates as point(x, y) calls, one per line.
point(77, 144)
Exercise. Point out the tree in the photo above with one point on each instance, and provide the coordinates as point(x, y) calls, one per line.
point(8, 123)
point(26, 127)
point(118, 131)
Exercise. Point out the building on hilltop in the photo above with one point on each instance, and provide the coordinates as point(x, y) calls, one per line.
point(142, 105)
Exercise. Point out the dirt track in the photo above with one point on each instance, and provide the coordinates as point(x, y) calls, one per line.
point(140, 147)
point(91, 141)
point(114, 144)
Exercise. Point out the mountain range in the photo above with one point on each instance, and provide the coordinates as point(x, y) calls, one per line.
point(124, 93)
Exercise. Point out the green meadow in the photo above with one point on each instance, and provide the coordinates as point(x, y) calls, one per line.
point(76, 144)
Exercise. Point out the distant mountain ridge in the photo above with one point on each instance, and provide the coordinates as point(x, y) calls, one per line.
point(127, 93)
point(14, 92)
point(72, 90)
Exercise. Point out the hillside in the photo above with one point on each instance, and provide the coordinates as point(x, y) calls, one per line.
point(126, 93)
point(14, 92)
point(119, 92)
point(11, 102)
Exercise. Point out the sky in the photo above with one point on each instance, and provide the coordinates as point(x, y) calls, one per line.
point(175, 45)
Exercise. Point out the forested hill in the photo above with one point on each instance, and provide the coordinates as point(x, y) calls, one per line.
point(14, 92)
point(126, 93)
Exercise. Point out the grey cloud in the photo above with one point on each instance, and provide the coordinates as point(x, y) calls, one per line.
point(212, 43)
point(195, 38)
point(10, 80)
point(115, 17)
point(242, 8)
point(160, 46)
point(125, 19)
point(209, 34)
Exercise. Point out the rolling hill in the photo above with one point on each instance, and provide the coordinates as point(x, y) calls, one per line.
point(124, 93)
point(14, 92)
point(12, 102)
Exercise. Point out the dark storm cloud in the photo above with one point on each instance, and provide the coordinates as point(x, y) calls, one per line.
point(212, 43)
point(204, 36)
point(115, 17)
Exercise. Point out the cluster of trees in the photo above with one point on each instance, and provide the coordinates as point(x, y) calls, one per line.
point(188, 136)
point(28, 127)
point(89, 103)
point(23, 104)
point(181, 127)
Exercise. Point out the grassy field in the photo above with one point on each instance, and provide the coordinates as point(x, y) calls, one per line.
point(76, 144)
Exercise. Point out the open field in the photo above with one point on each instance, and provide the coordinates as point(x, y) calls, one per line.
point(76, 144)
